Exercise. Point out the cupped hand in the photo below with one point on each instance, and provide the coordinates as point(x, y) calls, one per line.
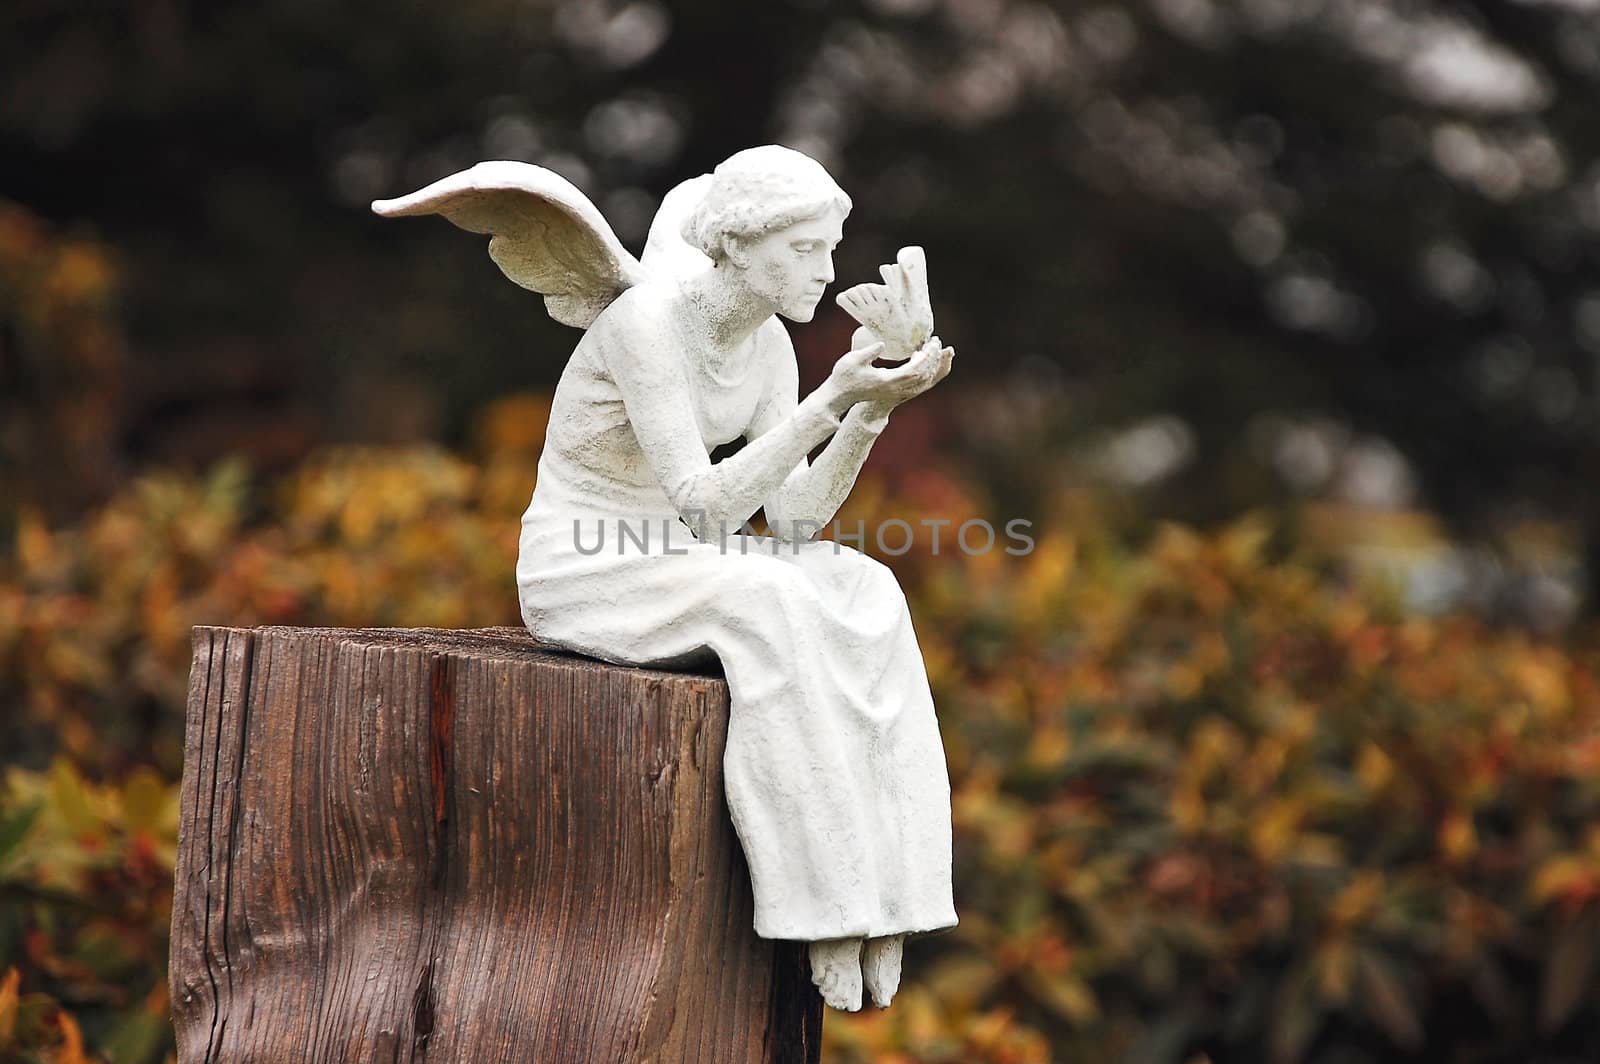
point(856, 380)
point(930, 365)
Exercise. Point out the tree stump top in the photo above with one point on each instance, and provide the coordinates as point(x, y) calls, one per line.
point(488, 643)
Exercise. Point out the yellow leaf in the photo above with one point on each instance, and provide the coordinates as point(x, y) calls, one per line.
point(1187, 808)
point(81, 272)
point(1176, 546)
point(1274, 830)
point(1333, 969)
point(1049, 747)
point(144, 800)
point(1320, 849)
point(34, 543)
point(1458, 837)
point(1357, 899)
point(920, 1014)
point(1241, 542)
point(1054, 560)
point(1374, 768)
point(1183, 681)
point(1560, 875)
point(1542, 680)
point(987, 1030)
point(70, 796)
point(1048, 569)
point(1068, 997)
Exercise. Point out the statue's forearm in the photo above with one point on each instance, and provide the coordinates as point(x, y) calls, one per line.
point(811, 498)
point(717, 494)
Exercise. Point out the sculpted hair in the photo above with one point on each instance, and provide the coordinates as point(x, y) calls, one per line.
point(759, 191)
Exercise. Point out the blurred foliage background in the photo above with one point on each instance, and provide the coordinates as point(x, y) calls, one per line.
point(1280, 320)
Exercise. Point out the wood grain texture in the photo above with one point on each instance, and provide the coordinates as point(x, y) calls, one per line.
point(417, 845)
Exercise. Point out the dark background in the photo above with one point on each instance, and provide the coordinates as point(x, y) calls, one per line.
point(1297, 244)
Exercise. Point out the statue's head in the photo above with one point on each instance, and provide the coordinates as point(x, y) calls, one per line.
point(775, 215)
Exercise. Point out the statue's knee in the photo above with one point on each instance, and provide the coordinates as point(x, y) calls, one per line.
point(881, 576)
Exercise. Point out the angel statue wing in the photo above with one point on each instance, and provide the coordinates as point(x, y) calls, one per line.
point(665, 250)
point(545, 234)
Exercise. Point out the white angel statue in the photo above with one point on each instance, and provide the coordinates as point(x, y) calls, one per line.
point(834, 771)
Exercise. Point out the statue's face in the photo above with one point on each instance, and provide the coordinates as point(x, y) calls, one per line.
point(791, 267)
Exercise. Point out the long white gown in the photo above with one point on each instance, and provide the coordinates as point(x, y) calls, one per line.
point(835, 773)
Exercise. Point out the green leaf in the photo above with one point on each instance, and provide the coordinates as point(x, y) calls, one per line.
point(102, 947)
point(1384, 998)
point(34, 1012)
point(1296, 1018)
point(1568, 973)
point(1491, 990)
point(138, 1038)
point(15, 827)
point(1164, 1041)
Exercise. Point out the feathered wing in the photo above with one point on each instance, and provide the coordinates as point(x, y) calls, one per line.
point(545, 234)
point(665, 250)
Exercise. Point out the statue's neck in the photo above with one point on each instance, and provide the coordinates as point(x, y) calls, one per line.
point(731, 311)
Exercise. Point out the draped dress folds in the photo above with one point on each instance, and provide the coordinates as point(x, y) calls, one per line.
point(834, 770)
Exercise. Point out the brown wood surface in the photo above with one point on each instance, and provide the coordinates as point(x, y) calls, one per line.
point(425, 845)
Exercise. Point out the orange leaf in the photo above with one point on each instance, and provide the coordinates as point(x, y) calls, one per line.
point(9, 998)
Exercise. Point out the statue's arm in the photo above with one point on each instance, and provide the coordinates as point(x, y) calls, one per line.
point(810, 495)
point(661, 410)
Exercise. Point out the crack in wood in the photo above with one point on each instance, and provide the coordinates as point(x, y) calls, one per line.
point(422, 1011)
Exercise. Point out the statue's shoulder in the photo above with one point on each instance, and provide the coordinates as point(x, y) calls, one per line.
point(636, 330)
point(776, 352)
point(645, 306)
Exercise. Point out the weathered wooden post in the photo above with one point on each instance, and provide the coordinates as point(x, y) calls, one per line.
point(431, 845)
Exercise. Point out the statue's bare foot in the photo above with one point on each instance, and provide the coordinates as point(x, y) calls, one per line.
point(836, 969)
point(880, 967)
